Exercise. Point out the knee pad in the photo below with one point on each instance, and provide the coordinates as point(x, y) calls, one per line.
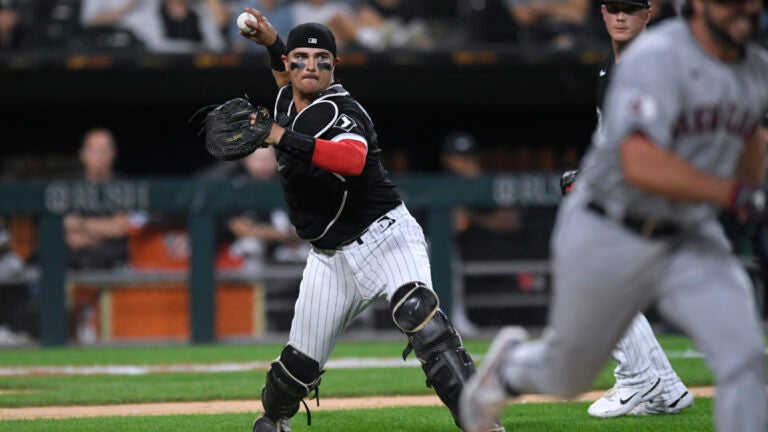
point(413, 305)
point(290, 379)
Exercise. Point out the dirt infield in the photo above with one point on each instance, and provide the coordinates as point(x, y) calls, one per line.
point(219, 407)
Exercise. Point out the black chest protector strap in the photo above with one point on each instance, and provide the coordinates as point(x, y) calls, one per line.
point(298, 145)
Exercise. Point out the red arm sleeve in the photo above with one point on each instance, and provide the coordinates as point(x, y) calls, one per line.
point(346, 157)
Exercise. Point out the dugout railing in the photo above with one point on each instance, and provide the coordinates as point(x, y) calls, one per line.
point(203, 201)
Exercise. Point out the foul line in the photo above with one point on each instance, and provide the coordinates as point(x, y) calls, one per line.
point(341, 363)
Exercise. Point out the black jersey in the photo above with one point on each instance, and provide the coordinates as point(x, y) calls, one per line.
point(603, 79)
point(325, 207)
point(97, 200)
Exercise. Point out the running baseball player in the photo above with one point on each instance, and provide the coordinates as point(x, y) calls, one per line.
point(645, 381)
point(679, 142)
point(365, 243)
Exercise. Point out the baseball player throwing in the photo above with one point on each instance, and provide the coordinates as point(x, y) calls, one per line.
point(645, 381)
point(679, 142)
point(365, 243)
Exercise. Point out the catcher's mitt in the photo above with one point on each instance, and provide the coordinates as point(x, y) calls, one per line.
point(228, 134)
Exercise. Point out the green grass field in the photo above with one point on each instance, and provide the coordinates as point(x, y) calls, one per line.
point(49, 390)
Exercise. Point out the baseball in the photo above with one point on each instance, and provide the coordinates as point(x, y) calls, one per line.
point(241, 22)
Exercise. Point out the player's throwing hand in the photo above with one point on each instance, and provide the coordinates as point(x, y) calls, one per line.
point(262, 31)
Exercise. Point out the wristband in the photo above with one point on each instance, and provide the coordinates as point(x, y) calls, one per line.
point(276, 52)
point(297, 144)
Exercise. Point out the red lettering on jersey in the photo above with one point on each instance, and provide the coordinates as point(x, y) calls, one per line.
point(682, 126)
point(734, 119)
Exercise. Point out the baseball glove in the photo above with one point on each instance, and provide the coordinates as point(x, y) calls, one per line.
point(228, 134)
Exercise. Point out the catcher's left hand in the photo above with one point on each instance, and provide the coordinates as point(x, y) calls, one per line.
point(228, 131)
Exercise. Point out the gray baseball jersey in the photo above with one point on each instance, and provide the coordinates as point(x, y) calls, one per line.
point(606, 268)
point(686, 102)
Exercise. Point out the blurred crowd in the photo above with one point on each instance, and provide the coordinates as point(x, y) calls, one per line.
point(193, 26)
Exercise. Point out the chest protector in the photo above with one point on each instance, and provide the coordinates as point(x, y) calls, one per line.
point(315, 197)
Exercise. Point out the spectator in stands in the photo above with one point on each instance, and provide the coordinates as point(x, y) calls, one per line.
point(10, 262)
point(132, 19)
point(12, 31)
point(339, 16)
point(18, 301)
point(392, 24)
point(166, 26)
point(556, 23)
point(194, 25)
point(97, 238)
point(262, 237)
point(460, 157)
point(374, 25)
point(280, 16)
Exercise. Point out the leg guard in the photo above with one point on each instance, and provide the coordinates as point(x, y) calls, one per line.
point(416, 312)
point(290, 379)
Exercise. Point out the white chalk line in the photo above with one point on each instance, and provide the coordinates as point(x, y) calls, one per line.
point(340, 363)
